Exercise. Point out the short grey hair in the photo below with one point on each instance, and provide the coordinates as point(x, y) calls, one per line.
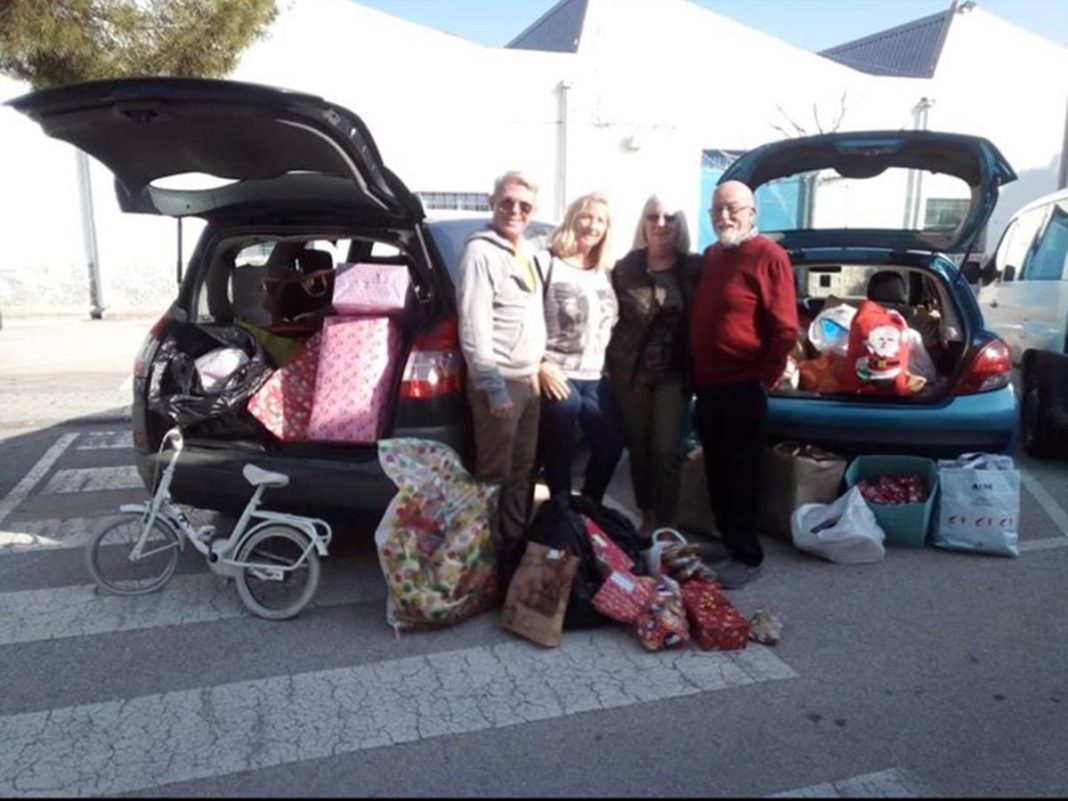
point(512, 177)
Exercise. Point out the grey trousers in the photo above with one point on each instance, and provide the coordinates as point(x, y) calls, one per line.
point(653, 417)
point(506, 455)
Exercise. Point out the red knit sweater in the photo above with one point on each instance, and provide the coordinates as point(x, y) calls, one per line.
point(744, 320)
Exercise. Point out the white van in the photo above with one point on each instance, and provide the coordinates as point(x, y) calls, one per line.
point(1023, 293)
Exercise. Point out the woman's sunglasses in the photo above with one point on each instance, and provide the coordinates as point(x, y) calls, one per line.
point(668, 218)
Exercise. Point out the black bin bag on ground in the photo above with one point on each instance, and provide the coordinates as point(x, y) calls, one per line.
point(613, 523)
point(557, 526)
point(174, 387)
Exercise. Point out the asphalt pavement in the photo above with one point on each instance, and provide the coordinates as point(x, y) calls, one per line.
point(927, 674)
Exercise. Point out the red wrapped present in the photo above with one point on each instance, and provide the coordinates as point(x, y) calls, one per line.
point(717, 625)
point(662, 622)
point(622, 597)
point(610, 557)
point(284, 403)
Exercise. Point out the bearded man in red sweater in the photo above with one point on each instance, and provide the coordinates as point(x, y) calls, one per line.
point(742, 328)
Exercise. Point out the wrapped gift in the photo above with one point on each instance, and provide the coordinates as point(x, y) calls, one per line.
point(353, 382)
point(622, 597)
point(662, 622)
point(370, 288)
point(610, 557)
point(717, 625)
point(284, 403)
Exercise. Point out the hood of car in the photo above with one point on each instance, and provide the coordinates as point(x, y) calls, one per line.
point(914, 207)
point(264, 149)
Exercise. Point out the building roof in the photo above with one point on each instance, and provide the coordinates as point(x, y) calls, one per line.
point(906, 51)
point(558, 30)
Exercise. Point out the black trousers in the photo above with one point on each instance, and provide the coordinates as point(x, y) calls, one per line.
point(732, 424)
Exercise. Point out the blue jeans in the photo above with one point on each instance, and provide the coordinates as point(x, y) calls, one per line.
point(591, 405)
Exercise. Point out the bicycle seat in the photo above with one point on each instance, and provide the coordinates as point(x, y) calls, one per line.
point(257, 476)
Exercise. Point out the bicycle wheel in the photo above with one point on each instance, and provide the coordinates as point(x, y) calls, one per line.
point(265, 588)
point(108, 557)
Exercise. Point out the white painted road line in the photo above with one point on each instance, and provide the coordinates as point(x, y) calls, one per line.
point(93, 440)
point(1044, 545)
point(89, 479)
point(37, 472)
point(1046, 501)
point(56, 613)
point(143, 743)
point(73, 532)
point(892, 783)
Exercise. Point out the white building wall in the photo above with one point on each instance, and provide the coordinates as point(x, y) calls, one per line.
point(655, 83)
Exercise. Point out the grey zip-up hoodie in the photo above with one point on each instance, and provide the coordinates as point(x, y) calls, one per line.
point(502, 319)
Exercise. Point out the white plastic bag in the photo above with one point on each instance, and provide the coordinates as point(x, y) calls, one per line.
point(979, 506)
point(216, 366)
point(843, 531)
point(829, 331)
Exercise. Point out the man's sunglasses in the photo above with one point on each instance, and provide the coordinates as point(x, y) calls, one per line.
point(508, 203)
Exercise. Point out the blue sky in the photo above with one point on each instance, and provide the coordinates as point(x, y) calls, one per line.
point(811, 24)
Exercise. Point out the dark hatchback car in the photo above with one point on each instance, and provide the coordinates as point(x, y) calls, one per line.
point(880, 215)
point(305, 188)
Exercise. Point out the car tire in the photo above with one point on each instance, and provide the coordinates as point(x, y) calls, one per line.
point(1039, 433)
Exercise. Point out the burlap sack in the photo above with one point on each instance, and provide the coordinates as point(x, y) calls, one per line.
point(795, 474)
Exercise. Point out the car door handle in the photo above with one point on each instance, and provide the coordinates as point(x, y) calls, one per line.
point(993, 304)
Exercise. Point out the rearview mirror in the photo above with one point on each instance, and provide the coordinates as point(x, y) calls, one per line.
point(971, 271)
point(1009, 273)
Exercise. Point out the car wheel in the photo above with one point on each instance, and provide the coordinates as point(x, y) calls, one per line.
point(1036, 405)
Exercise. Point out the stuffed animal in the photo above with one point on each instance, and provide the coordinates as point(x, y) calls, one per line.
point(878, 352)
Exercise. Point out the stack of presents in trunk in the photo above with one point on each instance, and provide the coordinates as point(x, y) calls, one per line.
point(335, 386)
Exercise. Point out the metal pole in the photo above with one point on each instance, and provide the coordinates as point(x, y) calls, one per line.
point(563, 112)
point(178, 265)
point(85, 196)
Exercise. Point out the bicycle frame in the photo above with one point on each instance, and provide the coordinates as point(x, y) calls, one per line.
point(162, 509)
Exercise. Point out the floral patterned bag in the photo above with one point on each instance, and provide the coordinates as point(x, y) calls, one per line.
point(434, 539)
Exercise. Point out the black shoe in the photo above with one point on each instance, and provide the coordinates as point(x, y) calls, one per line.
point(735, 575)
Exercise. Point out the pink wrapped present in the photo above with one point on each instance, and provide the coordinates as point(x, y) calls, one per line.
point(609, 556)
point(284, 403)
point(352, 385)
point(370, 288)
point(622, 597)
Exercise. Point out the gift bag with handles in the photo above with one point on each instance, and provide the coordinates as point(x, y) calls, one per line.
point(979, 506)
point(794, 474)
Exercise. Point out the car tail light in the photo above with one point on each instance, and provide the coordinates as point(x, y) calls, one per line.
point(990, 368)
point(435, 365)
point(142, 361)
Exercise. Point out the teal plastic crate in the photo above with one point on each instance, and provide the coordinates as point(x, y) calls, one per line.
point(905, 524)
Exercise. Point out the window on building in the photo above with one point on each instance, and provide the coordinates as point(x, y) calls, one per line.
point(455, 201)
point(944, 214)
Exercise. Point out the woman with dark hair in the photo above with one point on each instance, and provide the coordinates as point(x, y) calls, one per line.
point(647, 357)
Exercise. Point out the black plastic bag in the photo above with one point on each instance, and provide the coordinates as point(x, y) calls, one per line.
point(613, 523)
point(174, 388)
point(557, 526)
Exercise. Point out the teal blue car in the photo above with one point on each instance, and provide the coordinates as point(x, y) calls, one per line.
point(887, 216)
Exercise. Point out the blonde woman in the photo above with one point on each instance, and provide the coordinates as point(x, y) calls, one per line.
point(580, 312)
point(647, 357)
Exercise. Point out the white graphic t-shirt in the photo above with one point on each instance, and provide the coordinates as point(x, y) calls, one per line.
point(580, 311)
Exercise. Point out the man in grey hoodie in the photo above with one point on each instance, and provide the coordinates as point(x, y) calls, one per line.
point(502, 334)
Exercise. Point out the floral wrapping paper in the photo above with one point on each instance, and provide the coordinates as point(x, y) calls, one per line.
point(622, 597)
point(662, 622)
point(370, 288)
point(434, 542)
point(609, 556)
point(284, 403)
point(717, 625)
point(353, 381)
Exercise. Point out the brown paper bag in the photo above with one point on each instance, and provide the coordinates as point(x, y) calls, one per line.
point(537, 597)
point(794, 474)
point(695, 510)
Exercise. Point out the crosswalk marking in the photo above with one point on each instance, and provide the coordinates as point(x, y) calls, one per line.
point(88, 479)
point(146, 742)
point(73, 532)
point(1046, 501)
point(37, 472)
point(892, 783)
point(56, 613)
point(93, 440)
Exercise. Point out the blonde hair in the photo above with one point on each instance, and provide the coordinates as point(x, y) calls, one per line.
point(562, 243)
point(511, 177)
point(682, 244)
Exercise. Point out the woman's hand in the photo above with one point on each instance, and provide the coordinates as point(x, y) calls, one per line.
point(553, 382)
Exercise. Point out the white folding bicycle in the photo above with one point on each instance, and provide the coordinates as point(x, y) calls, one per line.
point(276, 567)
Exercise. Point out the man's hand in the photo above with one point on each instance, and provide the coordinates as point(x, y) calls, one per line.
point(553, 381)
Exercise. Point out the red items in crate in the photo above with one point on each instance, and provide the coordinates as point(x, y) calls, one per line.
point(716, 624)
point(908, 488)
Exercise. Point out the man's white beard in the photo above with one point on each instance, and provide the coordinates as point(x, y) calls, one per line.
point(732, 237)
